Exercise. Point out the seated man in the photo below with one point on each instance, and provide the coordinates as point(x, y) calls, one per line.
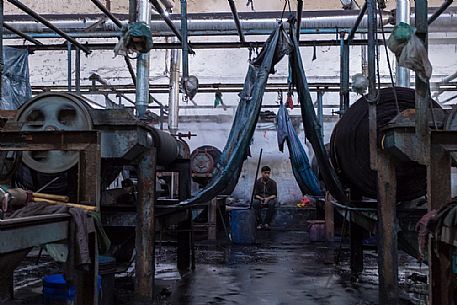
point(265, 193)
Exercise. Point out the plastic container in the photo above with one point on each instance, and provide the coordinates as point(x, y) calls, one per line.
point(56, 291)
point(316, 230)
point(107, 270)
point(243, 228)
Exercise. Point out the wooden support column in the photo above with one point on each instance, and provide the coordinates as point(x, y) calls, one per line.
point(212, 218)
point(442, 281)
point(89, 193)
point(144, 240)
point(329, 218)
point(387, 236)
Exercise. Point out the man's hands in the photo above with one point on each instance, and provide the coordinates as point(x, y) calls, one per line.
point(265, 200)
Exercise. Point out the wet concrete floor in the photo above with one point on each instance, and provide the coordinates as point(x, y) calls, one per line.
point(282, 268)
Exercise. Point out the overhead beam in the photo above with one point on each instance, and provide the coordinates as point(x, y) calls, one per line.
point(48, 24)
point(107, 13)
point(197, 45)
point(440, 10)
point(170, 23)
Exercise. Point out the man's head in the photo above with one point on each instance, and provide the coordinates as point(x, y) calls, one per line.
point(266, 171)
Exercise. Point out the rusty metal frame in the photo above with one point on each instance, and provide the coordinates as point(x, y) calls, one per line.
point(88, 144)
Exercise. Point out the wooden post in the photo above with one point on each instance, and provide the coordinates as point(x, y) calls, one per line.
point(442, 281)
point(89, 192)
point(144, 238)
point(387, 237)
point(329, 218)
point(212, 215)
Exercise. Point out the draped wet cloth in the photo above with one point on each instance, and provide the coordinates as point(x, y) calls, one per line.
point(228, 169)
point(301, 169)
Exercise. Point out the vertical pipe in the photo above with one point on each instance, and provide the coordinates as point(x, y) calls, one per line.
point(142, 64)
point(69, 66)
point(364, 58)
point(344, 75)
point(422, 88)
point(173, 100)
point(320, 111)
point(185, 49)
point(341, 112)
point(372, 93)
point(1, 50)
point(78, 71)
point(402, 15)
point(132, 10)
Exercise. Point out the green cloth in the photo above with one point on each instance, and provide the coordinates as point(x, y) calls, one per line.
point(134, 30)
point(102, 239)
point(403, 32)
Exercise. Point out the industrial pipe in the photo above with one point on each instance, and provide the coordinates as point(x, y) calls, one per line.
point(402, 15)
point(211, 26)
point(236, 18)
point(185, 53)
point(223, 26)
point(48, 24)
point(20, 34)
point(173, 99)
point(142, 64)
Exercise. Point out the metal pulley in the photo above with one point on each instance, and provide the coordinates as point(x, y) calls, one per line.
point(49, 112)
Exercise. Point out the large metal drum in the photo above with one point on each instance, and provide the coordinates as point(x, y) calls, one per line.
point(350, 152)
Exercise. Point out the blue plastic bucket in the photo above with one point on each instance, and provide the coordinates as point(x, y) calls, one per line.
point(56, 291)
point(243, 226)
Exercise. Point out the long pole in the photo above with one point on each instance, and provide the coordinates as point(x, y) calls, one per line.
point(48, 24)
point(256, 176)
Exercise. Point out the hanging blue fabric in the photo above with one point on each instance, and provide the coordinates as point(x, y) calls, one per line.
point(228, 169)
point(301, 169)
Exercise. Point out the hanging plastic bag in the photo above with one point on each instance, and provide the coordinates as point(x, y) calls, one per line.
point(414, 57)
point(410, 51)
point(400, 36)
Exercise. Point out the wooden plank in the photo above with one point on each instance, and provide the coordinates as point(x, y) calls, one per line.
point(144, 242)
point(387, 237)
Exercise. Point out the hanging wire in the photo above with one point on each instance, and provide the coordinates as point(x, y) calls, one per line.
point(388, 59)
point(286, 3)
